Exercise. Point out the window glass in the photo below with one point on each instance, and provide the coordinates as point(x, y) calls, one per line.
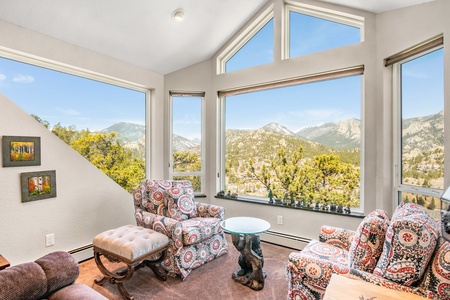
point(422, 121)
point(187, 140)
point(301, 142)
point(257, 51)
point(103, 122)
point(310, 34)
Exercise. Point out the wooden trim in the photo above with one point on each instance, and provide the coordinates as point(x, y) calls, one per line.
point(425, 46)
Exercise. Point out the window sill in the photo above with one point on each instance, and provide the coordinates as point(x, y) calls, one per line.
point(351, 214)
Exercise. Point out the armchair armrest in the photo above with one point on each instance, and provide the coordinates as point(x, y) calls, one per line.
point(338, 237)
point(380, 281)
point(167, 226)
point(205, 210)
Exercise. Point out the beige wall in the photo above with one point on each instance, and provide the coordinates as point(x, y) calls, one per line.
point(87, 201)
point(385, 34)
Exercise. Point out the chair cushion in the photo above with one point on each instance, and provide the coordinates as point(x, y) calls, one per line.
point(410, 241)
point(199, 229)
point(367, 245)
point(179, 201)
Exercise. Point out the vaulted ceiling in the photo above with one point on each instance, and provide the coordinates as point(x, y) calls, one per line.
point(143, 33)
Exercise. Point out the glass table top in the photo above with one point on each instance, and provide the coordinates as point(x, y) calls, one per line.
point(245, 225)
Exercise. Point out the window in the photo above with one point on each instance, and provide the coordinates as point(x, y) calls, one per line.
point(102, 119)
point(187, 159)
point(253, 48)
point(311, 30)
point(419, 141)
point(300, 140)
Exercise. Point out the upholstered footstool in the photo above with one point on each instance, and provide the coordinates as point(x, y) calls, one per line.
point(132, 245)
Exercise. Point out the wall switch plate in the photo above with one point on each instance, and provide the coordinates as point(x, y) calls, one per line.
point(280, 220)
point(50, 239)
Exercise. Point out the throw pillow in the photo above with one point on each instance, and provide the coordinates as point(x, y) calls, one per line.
point(367, 245)
point(410, 241)
point(179, 201)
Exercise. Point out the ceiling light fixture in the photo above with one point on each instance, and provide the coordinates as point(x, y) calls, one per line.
point(178, 15)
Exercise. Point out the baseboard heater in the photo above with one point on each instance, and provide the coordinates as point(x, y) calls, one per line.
point(83, 253)
point(284, 239)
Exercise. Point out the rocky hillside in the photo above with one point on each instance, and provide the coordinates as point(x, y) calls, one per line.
point(342, 134)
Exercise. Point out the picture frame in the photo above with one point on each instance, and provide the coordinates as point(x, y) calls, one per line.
point(20, 151)
point(38, 185)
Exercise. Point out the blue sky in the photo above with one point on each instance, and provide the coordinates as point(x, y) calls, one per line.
point(70, 100)
point(58, 97)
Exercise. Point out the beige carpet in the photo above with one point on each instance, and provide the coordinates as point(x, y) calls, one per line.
point(210, 281)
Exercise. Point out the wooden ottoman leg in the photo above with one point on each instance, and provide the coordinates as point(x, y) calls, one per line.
point(152, 265)
point(114, 277)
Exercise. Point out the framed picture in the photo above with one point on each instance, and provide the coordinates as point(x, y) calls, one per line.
point(38, 185)
point(21, 151)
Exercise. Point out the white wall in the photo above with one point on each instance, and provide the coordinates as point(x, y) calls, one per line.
point(385, 34)
point(87, 201)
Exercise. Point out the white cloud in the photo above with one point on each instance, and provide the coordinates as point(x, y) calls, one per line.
point(2, 76)
point(23, 78)
point(69, 112)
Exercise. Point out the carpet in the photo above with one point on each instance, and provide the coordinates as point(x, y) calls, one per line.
point(210, 281)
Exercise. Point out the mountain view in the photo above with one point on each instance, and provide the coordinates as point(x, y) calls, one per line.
point(422, 147)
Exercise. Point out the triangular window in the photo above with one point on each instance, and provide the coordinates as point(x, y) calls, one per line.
point(253, 48)
point(312, 31)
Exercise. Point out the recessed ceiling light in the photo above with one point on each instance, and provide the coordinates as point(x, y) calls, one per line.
point(178, 15)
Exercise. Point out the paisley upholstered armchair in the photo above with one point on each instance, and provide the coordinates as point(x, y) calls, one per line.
point(193, 228)
point(406, 253)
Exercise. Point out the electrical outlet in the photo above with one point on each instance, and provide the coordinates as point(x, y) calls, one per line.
point(50, 239)
point(280, 220)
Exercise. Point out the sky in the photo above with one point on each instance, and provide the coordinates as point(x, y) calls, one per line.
point(87, 104)
point(71, 100)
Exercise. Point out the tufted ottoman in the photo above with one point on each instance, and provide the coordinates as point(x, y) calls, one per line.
point(133, 245)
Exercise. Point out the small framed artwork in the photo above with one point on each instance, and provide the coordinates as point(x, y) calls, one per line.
point(21, 151)
point(38, 185)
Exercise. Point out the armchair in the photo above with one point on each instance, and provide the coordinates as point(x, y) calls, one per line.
point(193, 228)
point(406, 253)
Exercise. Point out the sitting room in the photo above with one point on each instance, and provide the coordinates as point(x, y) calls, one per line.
point(258, 149)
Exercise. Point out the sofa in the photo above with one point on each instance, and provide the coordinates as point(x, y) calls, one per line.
point(49, 277)
point(405, 253)
point(193, 228)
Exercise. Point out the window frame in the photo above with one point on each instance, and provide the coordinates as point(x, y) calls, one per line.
point(221, 141)
point(321, 13)
point(52, 65)
point(400, 187)
point(200, 173)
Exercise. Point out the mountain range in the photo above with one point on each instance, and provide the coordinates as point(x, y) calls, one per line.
point(422, 133)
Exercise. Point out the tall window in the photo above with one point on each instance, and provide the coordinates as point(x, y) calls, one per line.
point(420, 127)
point(312, 30)
point(187, 159)
point(300, 141)
point(253, 48)
point(102, 119)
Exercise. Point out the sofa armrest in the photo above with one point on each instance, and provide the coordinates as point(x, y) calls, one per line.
point(167, 226)
point(335, 236)
point(205, 210)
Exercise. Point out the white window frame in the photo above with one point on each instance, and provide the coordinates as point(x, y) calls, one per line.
point(221, 140)
point(200, 173)
point(399, 187)
point(322, 13)
point(243, 38)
